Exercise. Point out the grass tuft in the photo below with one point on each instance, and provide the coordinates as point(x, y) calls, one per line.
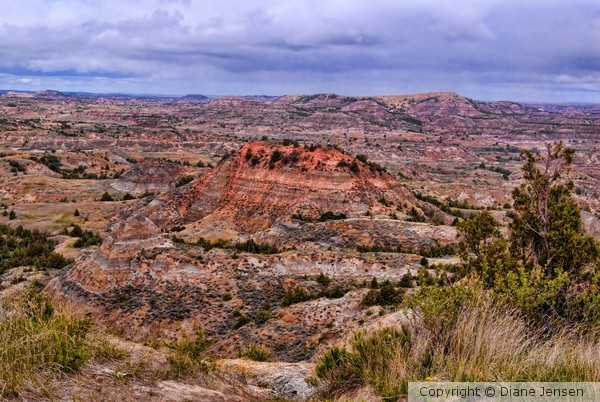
point(256, 353)
point(38, 341)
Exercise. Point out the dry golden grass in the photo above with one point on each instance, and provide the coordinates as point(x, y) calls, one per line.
point(485, 343)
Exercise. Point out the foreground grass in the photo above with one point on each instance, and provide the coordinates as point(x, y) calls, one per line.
point(43, 345)
point(485, 343)
point(38, 343)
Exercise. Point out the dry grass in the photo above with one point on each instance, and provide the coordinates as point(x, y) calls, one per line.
point(495, 344)
point(485, 343)
point(38, 343)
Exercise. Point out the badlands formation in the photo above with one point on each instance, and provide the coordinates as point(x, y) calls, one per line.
point(262, 220)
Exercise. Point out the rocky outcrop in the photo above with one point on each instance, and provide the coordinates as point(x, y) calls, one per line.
point(150, 176)
point(265, 183)
point(292, 381)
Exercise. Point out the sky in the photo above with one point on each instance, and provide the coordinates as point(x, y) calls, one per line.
point(519, 50)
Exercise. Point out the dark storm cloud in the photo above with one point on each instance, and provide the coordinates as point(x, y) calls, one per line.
point(537, 50)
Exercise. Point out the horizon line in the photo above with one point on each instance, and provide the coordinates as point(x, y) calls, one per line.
point(213, 96)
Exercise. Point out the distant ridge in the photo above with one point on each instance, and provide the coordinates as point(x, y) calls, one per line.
point(195, 97)
point(303, 98)
point(50, 94)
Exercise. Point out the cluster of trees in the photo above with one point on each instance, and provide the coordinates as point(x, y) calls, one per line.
point(449, 205)
point(22, 247)
point(325, 216)
point(86, 238)
point(548, 265)
point(432, 251)
point(353, 166)
point(15, 167)
point(372, 165)
point(184, 180)
point(286, 159)
point(53, 163)
point(384, 295)
point(298, 294)
point(11, 215)
point(248, 246)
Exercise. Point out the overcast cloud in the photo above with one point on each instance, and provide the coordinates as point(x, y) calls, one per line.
point(535, 50)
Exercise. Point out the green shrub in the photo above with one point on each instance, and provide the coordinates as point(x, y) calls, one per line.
point(276, 156)
point(241, 321)
point(386, 295)
point(287, 142)
point(534, 294)
point(366, 363)
point(193, 346)
point(297, 294)
point(424, 278)
point(415, 216)
point(263, 314)
point(440, 306)
point(370, 298)
point(336, 366)
point(334, 293)
point(184, 180)
point(52, 161)
point(185, 359)
point(331, 216)
point(250, 246)
point(256, 353)
point(406, 281)
point(323, 279)
point(86, 238)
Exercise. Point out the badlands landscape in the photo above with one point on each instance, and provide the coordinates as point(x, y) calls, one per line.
point(257, 248)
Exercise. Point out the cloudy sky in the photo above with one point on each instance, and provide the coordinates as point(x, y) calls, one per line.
point(524, 50)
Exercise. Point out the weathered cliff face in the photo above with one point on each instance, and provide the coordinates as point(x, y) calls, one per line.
point(150, 176)
point(266, 183)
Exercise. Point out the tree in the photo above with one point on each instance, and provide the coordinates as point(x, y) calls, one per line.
point(77, 231)
point(546, 230)
point(546, 268)
point(106, 197)
point(482, 246)
point(12, 215)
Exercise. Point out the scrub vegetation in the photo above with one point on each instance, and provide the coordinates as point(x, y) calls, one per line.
point(522, 307)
